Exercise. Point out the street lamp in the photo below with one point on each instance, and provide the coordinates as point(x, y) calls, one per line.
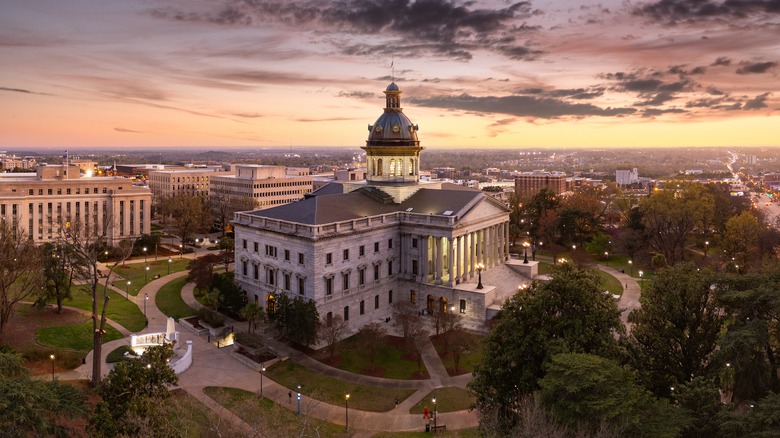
point(146, 274)
point(640, 277)
point(262, 371)
point(480, 267)
point(606, 256)
point(181, 250)
point(434, 414)
point(346, 408)
point(146, 298)
point(525, 252)
point(706, 247)
point(299, 400)
point(631, 265)
point(144, 254)
point(169, 265)
point(51, 356)
point(127, 291)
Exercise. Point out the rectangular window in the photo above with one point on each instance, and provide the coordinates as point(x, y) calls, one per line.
point(300, 258)
point(243, 268)
point(362, 307)
point(415, 267)
point(256, 271)
point(301, 286)
point(287, 255)
point(414, 243)
point(376, 246)
point(362, 276)
point(256, 246)
point(286, 281)
point(270, 276)
point(270, 251)
point(376, 272)
point(390, 244)
point(462, 306)
point(390, 297)
point(244, 243)
point(346, 313)
point(390, 267)
point(413, 296)
point(345, 280)
point(376, 301)
point(329, 258)
point(346, 254)
point(329, 286)
point(362, 250)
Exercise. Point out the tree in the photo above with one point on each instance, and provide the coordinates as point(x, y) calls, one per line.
point(676, 329)
point(252, 312)
point(372, 339)
point(34, 407)
point(740, 240)
point(133, 390)
point(59, 269)
point(592, 390)
point(330, 332)
point(202, 271)
point(187, 214)
point(406, 317)
point(20, 266)
point(296, 319)
point(224, 207)
point(461, 344)
point(231, 297)
point(227, 247)
point(671, 216)
point(450, 322)
point(570, 313)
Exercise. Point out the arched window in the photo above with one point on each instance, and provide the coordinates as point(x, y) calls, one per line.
point(429, 304)
point(392, 167)
point(379, 167)
point(411, 166)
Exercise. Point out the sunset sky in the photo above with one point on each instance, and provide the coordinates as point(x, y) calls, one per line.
point(268, 73)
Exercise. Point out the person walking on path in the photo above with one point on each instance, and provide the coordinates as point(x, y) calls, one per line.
point(426, 414)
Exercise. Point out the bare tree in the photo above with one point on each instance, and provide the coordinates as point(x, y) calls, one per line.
point(223, 207)
point(87, 246)
point(20, 267)
point(406, 317)
point(331, 332)
point(187, 214)
point(450, 322)
point(461, 343)
point(372, 338)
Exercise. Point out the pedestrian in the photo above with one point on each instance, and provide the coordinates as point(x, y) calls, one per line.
point(396, 402)
point(289, 396)
point(626, 285)
point(426, 414)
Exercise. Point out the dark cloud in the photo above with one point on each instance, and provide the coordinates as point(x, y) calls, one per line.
point(247, 115)
point(676, 11)
point(131, 131)
point(22, 90)
point(682, 71)
point(722, 60)
point(521, 106)
point(573, 93)
point(357, 94)
point(445, 28)
point(652, 112)
point(756, 103)
point(652, 85)
point(758, 67)
point(658, 99)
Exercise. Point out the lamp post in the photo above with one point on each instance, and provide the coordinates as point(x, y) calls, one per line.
point(181, 250)
point(606, 256)
point(525, 252)
point(631, 265)
point(169, 265)
point(346, 409)
point(541, 245)
point(51, 356)
point(146, 298)
point(127, 291)
point(706, 247)
point(144, 254)
point(262, 371)
point(146, 275)
point(299, 400)
point(641, 281)
point(434, 414)
point(480, 267)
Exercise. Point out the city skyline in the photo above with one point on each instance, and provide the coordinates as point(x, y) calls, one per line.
point(487, 73)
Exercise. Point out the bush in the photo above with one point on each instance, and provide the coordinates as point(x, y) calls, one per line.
point(211, 317)
point(249, 340)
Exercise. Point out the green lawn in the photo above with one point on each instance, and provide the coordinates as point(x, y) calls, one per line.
point(73, 337)
point(120, 310)
point(389, 361)
point(610, 283)
point(118, 354)
point(136, 272)
point(450, 399)
point(169, 300)
point(330, 390)
point(270, 419)
point(467, 361)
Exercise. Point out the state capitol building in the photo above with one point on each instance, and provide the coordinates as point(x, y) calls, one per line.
point(357, 247)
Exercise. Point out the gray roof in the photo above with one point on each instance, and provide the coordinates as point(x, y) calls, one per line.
point(328, 208)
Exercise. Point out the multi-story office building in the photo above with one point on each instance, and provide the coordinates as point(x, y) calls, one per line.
point(357, 247)
point(626, 177)
point(527, 184)
point(56, 196)
point(265, 186)
point(180, 182)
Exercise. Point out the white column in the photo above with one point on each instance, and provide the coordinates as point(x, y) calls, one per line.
point(439, 254)
point(450, 261)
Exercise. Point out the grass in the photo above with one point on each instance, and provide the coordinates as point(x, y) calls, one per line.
point(120, 310)
point(118, 354)
point(136, 272)
point(332, 390)
point(449, 399)
point(191, 418)
point(73, 337)
point(389, 360)
point(610, 283)
point(268, 418)
point(467, 360)
point(169, 301)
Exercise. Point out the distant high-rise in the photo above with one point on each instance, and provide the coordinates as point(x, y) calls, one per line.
point(626, 177)
point(527, 184)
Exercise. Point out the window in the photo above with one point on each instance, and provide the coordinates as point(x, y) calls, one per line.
point(301, 286)
point(300, 258)
point(286, 281)
point(390, 267)
point(376, 272)
point(244, 243)
point(345, 280)
point(270, 251)
point(270, 276)
point(346, 254)
point(48, 192)
point(462, 306)
point(329, 258)
point(256, 246)
point(329, 286)
point(413, 296)
point(287, 255)
point(67, 191)
point(390, 244)
point(362, 276)
point(376, 246)
point(346, 313)
point(390, 297)
point(414, 243)
point(256, 271)
point(376, 301)
point(415, 267)
point(243, 268)
point(362, 307)
point(362, 250)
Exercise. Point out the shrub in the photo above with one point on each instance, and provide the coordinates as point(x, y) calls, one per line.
point(250, 340)
point(211, 317)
